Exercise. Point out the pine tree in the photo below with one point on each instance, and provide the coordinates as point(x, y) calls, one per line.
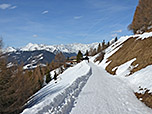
point(48, 77)
point(55, 75)
point(116, 39)
point(99, 48)
point(87, 53)
point(79, 56)
point(108, 44)
point(103, 45)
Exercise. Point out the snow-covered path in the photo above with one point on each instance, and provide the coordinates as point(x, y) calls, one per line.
point(104, 94)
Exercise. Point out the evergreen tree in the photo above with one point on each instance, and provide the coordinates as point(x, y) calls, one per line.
point(79, 56)
point(108, 44)
point(48, 77)
point(116, 39)
point(99, 48)
point(55, 75)
point(87, 53)
point(103, 45)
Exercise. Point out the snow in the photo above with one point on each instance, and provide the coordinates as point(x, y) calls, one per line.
point(124, 69)
point(104, 94)
point(68, 48)
point(141, 78)
point(150, 27)
point(9, 49)
point(145, 35)
point(138, 79)
point(113, 49)
point(86, 89)
point(59, 97)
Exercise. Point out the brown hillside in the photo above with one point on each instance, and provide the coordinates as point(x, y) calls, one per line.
point(132, 48)
point(142, 21)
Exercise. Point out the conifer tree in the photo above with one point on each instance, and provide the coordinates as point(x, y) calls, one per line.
point(87, 53)
point(108, 44)
point(79, 56)
point(103, 45)
point(99, 48)
point(48, 77)
point(55, 75)
point(116, 39)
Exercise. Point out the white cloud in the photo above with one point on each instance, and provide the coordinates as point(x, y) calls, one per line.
point(13, 7)
point(118, 31)
point(5, 6)
point(114, 35)
point(78, 17)
point(45, 12)
point(35, 35)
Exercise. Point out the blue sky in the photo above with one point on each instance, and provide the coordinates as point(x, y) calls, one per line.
point(64, 21)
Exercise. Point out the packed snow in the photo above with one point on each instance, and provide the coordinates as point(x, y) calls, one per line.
point(86, 89)
point(104, 94)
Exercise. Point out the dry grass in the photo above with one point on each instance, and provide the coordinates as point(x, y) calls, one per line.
point(145, 98)
point(132, 48)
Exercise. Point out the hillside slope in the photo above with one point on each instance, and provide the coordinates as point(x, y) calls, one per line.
point(137, 46)
point(130, 58)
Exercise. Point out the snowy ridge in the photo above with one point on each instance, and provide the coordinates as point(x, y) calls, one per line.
point(68, 48)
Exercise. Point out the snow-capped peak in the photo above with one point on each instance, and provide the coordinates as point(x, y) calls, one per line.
point(9, 49)
point(68, 48)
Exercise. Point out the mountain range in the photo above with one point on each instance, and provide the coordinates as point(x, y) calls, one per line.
point(33, 54)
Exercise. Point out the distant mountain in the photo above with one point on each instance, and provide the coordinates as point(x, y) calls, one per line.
point(33, 54)
point(68, 48)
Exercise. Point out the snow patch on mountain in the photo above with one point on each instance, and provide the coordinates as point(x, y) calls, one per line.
point(68, 48)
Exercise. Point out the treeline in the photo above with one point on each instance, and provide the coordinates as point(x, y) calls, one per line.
point(17, 84)
point(101, 50)
point(94, 51)
point(142, 20)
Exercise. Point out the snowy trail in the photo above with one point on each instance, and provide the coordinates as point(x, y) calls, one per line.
point(104, 94)
point(59, 98)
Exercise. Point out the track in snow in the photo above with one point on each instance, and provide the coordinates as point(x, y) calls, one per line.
point(104, 94)
point(86, 89)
